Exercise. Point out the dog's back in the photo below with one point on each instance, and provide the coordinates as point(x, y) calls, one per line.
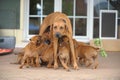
point(88, 55)
point(86, 50)
point(51, 18)
point(47, 53)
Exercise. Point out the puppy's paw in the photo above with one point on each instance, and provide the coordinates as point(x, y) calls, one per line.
point(55, 66)
point(49, 66)
point(68, 70)
point(95, 66)
point(21, 67)
point(37, 65)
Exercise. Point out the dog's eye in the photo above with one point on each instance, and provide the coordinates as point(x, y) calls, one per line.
point(55, 27)
point(30, 39)
point(61, 27)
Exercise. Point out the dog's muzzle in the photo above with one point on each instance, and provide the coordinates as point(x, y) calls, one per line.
point(58, 35)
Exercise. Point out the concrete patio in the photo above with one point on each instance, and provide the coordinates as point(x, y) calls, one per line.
point(109, 69)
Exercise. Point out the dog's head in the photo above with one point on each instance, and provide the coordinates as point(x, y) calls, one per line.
point(59, 28)
point(37, 40)
point(46, 37)
point(63, 41)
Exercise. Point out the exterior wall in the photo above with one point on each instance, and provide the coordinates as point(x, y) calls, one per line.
point(18, 33)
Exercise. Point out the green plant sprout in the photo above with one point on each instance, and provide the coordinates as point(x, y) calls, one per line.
point(98, 43)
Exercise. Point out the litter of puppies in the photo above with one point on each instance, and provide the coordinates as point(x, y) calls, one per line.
point(55, 46)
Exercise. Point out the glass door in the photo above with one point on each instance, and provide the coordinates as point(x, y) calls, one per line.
point(77, 11)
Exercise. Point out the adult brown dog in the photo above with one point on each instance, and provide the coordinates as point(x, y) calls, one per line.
point(59, 25)
point(87, 54)
point(31, 52)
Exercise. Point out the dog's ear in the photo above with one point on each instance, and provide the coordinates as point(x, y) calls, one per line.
point(38, 40)
point(30, 39)
point(66, 28)
point(51, 30)
point(47, 29)
point(51, 27)
point(75, 43)
point(63, 20)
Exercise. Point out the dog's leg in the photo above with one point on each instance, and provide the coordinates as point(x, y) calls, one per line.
point(55, 52)
point(43, 27)
point(28, 61)
point(67, 62)
point(95, 63)
point(32, 62)
point(23, 62)
point(50, 63)
point(89, 61)
point(75, 65)
point(64, 64)
point(37, 61)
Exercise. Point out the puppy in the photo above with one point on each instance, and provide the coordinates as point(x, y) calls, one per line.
point(31, 52)
point(47, 55)
point(60, 25)
point(64, 53)
point(87, 54)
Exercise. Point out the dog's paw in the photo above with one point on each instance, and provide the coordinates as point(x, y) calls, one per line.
point(49, 66)
point(76, 67)
point(21, 67)
point(56, 66)
point(37, 65)
point(68, 70)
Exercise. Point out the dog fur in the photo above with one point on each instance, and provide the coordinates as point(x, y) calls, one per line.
point(31, 55)
point(64, 53)
point(59, 25)
point(47, 55)
point(87, 54)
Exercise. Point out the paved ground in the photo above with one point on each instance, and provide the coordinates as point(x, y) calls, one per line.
point(109, 69)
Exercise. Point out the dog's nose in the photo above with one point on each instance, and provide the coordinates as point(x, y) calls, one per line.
point(58, 35)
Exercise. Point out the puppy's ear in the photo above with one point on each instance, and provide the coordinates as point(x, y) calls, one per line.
point(30, 39)
point(75, 43)
point(38, 41)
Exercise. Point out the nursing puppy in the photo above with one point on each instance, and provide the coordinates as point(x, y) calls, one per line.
point(60, 25)
point(64, 53)
point(87, 54)
point(47, 55)
point(31, 55)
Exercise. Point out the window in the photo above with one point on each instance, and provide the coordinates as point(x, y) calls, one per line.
point(77, 12)
point(9, 14)
point(38, 10)
point(104, 5)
